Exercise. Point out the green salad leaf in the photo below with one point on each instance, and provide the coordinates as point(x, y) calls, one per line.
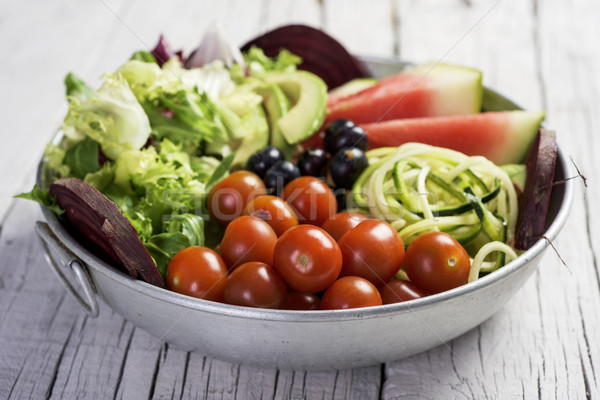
point(43, 197)
point(113, 118)
point(82, 158)
point(76, 88)
point(258, 63)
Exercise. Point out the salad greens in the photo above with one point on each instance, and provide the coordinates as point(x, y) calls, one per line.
point(155, 140)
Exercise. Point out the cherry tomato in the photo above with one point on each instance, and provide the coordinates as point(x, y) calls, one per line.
point(274, 211)
point(307, 258)
point(247, 239)
point(301, 301)
point(372, 250)
point(342, 222)
point(199, 272)
point(350, 292)
point(397, 290)
point(436, 262)
point(311, 198)
point(255, 284)
point(226, 200)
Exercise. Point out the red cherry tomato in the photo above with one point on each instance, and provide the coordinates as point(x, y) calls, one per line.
point(397, 290)
point(199, 272)
point(436, 262)
point(226, 200)
point(342, 222)
point(311, 198)
point(255, 284)
point(307, 258)
point(274, 211)
point(372, 250)
point(247, 239)
point(301, 301)
point(350, 292)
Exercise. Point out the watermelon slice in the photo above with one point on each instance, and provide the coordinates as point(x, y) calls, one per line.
point(503, 137)
point(424, 91)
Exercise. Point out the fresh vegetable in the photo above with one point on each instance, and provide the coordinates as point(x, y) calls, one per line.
point(227, 199)
point(198, 272)
point(436, 262)
point(350, 292)
point(98, 221)
point(342, 222)
point(372, 250)
point(214, 46)
point(535, 201)
point(247, 239)
point(308, 96)
point(161, 135)
point(255, 284)
point(162, 52)
point(346, 166)
point(502, 137)
point(302, 301)
point(274, 211)
point(417, 188)
point(321, 54)
point(112, 117)
point(398, 290)
point(307, 258)
point(423, 91)
point(311, 199)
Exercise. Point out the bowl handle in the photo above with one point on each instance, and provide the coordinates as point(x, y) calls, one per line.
point(50, 242)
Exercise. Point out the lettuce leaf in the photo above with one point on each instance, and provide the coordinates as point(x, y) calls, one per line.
point(42, 197)
point(258, 63)
point(113, 118)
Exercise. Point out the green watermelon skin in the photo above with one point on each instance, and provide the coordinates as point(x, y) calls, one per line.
point(502, 137)
point(424, 91)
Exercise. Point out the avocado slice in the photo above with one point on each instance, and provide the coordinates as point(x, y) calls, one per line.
point(276, 105)
point(307, 94)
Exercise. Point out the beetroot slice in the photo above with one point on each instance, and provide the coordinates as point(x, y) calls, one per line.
point(321, 54)
point(100, 222)
point(535, 200)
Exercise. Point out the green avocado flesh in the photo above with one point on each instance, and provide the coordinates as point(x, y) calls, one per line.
point(276, 105)
point(307, 94)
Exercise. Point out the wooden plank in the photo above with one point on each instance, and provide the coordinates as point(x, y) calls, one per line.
point(46, 40)
point(543, 333)
point(365, 28)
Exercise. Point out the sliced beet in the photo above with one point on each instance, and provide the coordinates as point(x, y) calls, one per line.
point(321, 54)
point(97, 219)
point(535, 200)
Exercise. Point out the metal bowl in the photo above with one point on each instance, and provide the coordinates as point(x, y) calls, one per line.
point(309, 340)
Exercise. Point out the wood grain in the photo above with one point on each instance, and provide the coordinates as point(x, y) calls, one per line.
point(542, 344)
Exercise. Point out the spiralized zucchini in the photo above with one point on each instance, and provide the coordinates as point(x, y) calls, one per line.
point(419, 188)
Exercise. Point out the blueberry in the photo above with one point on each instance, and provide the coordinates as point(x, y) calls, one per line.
point(260, 162)
point(279, 175)
point(313, 162)
point(346, 166)
point(343, 133)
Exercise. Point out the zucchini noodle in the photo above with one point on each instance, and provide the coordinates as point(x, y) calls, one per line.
point(485, 251)
point(420, 188)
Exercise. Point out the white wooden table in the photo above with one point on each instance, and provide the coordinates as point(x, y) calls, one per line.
point(542, 54)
